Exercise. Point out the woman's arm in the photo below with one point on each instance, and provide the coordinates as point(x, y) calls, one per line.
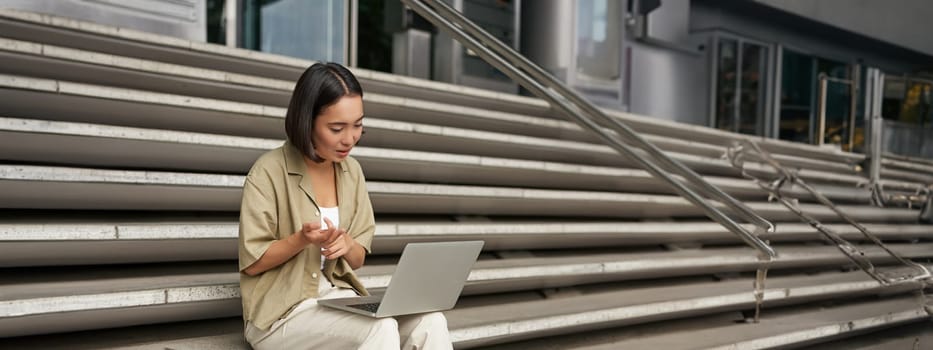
point(282, 250)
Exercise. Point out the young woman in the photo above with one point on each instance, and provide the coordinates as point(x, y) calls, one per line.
point(306, 223)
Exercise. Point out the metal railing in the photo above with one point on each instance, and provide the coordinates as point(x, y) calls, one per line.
point(749, 149)
point(588, 116)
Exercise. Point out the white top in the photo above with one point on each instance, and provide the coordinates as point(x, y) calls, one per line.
point(332, 214)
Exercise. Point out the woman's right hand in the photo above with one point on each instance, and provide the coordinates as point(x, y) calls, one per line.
point(312, 233)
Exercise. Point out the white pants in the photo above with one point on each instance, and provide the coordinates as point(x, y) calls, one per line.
point(310, 326)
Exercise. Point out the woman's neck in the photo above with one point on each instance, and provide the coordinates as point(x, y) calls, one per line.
point(318, 167)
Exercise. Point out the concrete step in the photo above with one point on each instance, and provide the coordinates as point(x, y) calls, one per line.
point(576, 268)
point(103, 105)
point(117, 302)
point(59, 300)
point(47, 187)
point(601, 309)
point(47, 99)
point(59, 242)
point(900, 159)
point(917, 335)
point(84, 144)
point(214, 334)
point(808, 326)
point(912, 168)
point(906, 175)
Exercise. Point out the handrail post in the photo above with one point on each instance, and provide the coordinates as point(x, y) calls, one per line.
point(853, 99)
point(875, 88)
point(821, 130)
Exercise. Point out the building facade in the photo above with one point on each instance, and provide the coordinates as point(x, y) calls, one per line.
point(788, 69)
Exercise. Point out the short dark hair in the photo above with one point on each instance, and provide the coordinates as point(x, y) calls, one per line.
point(320, 86)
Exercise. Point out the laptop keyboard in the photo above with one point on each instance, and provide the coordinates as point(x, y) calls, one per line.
point(371, 307)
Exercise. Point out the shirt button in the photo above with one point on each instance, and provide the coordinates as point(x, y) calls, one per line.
point(314, 275)
point(317, 213)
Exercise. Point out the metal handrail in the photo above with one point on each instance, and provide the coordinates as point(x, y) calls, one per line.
point(736, 156)
point(555, 92)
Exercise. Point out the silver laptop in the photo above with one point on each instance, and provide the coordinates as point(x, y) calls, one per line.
point(429, 277)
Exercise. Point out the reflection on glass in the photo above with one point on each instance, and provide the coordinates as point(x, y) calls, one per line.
point(598, 54)
point(497, 18)
point(832, 68)
point(838, 101)
point(751, 106)
point(726, 84)
point(893, 97)
point(299, 28)
point(796, 94)
point(917, 105)
point(374, 44)
point(216, 31)
point(908, 110)
point(742, 85)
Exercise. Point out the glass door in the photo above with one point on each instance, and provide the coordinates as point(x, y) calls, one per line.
point(820, 101)
point(836, 118)
point(741, 72)
point(797, 99)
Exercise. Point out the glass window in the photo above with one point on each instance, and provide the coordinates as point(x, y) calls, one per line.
point(309, 29)
point(375, 43)
point(216, 29)
point(726, 81)
point(751, 100)
point(740, 86)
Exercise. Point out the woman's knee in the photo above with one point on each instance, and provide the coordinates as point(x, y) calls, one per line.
point(383, 334)
point(386, 325)
point(428, 331)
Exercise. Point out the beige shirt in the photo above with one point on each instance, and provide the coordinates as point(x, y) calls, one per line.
point(277, 200)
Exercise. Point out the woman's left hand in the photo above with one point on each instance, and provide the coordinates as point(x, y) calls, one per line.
point(340, 246)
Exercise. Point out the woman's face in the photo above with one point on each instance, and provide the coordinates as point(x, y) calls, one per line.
point(337, 128)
